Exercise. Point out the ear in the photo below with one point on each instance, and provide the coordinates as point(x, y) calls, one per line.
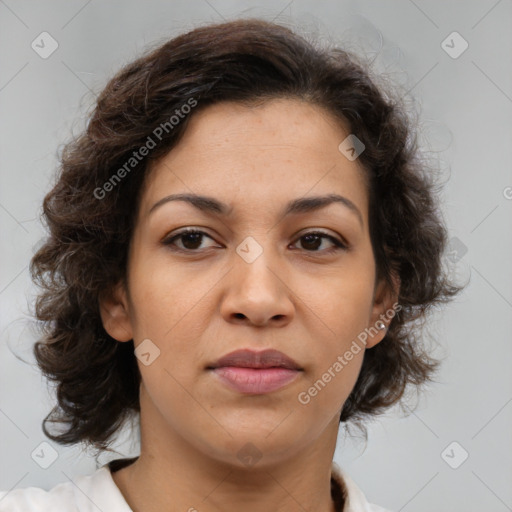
point(384, 309)
point(115, 313)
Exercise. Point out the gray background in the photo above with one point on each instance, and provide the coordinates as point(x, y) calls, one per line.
point(465, 105)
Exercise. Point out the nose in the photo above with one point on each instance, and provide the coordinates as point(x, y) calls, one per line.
point(257, 293)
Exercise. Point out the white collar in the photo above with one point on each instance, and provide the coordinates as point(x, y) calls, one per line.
point(355, 500)
point(98, 492)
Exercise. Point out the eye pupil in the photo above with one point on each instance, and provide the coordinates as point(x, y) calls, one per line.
point(196, 240)
point(309, 239)
point(191, 241)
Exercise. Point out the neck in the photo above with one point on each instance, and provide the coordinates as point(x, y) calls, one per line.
point(177, 476)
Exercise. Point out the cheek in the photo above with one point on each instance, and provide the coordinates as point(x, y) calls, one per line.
point(327, 390)
point(345, 308)
point(164, 296)
point(174, 319)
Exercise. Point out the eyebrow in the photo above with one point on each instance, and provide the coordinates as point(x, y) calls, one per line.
point(302, 205)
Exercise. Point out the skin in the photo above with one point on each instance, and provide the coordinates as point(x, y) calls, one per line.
point(198, 306)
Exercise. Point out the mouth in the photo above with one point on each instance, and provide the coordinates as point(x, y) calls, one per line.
point(249, 372)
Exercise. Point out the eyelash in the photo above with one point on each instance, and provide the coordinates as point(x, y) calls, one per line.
point(338, 245)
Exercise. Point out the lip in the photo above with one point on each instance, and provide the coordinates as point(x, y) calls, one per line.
point(254, 381)
point(250, 372)
point(247, 358)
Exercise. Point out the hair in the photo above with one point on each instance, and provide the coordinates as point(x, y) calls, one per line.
point(89, 230)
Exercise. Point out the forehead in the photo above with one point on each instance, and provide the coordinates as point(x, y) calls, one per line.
point(281, 124)
point(253, 155)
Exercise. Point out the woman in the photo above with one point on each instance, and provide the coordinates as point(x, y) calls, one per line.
point(239, 244)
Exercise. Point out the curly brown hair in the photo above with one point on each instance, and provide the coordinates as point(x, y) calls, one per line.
point(85, 254)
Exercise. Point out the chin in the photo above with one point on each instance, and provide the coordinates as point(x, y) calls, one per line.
point(253, 445)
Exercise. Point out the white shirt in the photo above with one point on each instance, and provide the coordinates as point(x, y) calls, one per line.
point(99, 493)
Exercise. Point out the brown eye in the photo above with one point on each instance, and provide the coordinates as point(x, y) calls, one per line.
point(313, 240)
point(190, 239)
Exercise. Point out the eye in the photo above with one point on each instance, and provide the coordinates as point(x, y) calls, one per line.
point(312, 240)
point(190, 239)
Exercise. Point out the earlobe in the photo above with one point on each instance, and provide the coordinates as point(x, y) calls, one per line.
point(384, 309)
point(115, 314)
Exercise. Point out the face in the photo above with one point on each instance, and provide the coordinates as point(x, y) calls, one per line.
point(250, 276)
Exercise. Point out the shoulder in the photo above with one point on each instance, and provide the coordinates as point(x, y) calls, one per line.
point(32, 499)
point(91, 493)
point(355, 500)
point(376, 508)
